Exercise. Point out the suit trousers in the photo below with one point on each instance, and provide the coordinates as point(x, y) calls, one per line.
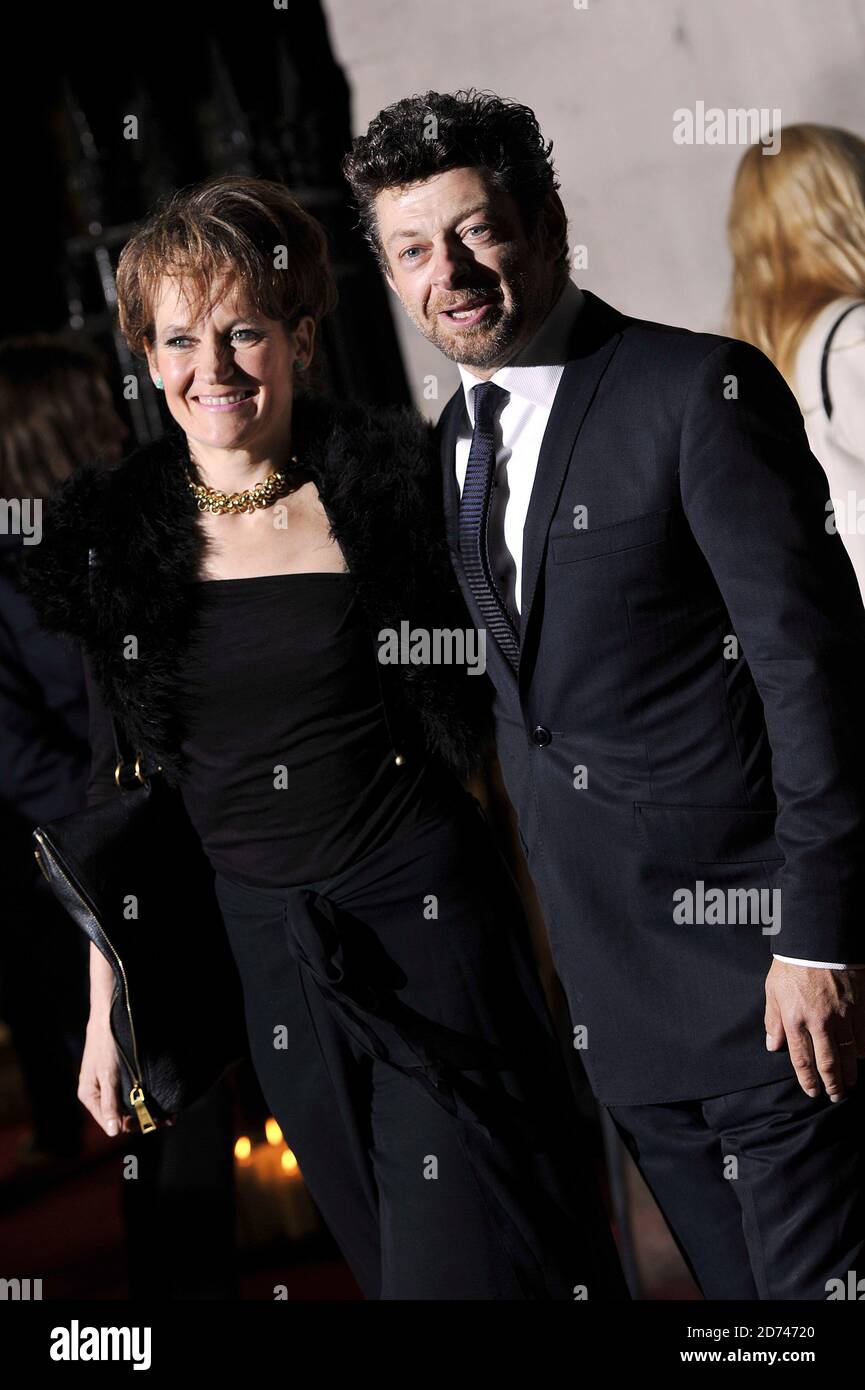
point(763, 1189)
point(401, 1037)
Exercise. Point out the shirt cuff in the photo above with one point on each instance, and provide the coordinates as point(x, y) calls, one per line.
point(820, 964)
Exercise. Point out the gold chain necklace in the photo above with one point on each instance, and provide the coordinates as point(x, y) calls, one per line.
point(210, 499)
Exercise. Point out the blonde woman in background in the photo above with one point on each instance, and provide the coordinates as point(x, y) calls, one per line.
point(797, 233)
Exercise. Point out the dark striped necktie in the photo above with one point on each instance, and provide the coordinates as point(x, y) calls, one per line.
point(474, 515)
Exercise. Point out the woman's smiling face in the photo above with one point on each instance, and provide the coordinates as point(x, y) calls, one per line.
point(228, 375)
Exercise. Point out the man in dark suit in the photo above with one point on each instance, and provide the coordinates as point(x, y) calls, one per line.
point(677, 644)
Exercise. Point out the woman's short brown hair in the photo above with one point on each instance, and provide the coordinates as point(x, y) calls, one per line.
point(229, 232)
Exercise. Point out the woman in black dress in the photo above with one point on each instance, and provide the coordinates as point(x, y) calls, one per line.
point(259, 560)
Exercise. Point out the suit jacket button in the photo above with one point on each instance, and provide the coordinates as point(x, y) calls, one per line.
point(541, 736)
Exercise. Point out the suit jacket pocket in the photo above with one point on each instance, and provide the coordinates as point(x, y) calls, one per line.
point(709, 834)
point(711, 868)
point(649, 529)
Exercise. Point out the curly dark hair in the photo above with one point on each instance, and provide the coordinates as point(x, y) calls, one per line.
point(420, 136)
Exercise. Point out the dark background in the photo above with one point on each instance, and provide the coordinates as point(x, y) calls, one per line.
point(242, 88)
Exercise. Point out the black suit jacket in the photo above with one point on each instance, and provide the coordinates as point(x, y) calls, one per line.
point(705, 521)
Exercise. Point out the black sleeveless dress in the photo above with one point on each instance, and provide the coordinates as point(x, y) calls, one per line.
point(395, 1018)
point(292, 774)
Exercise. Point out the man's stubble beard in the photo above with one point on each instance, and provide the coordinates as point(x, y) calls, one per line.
point(490, 347)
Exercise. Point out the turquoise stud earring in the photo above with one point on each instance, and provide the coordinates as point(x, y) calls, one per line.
point(160, 385)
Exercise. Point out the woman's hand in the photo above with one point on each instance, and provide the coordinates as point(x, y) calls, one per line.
point(99, 1078)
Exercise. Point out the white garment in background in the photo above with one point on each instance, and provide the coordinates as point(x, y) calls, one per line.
point(839, 442)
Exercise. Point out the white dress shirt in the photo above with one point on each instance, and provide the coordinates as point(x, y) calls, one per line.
point(531, 379)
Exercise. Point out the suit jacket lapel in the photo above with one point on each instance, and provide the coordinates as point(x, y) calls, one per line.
point(595, 337)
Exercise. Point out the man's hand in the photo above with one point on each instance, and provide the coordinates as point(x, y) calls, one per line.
point(821, 1013)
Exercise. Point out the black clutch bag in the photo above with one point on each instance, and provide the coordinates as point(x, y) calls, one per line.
point(134, 876)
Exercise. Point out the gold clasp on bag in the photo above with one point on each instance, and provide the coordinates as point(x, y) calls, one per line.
point(145, 1119)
